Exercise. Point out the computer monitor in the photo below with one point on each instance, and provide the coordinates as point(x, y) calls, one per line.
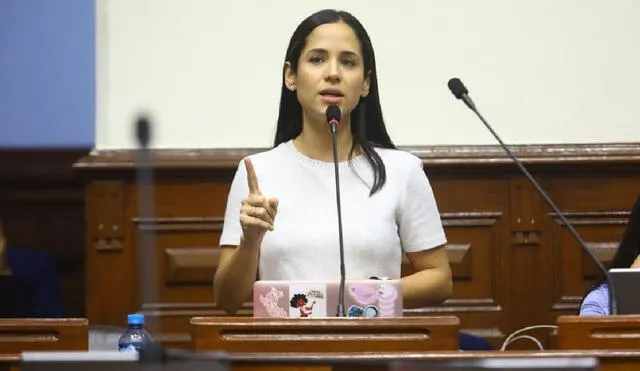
point(626, 282)
point(625, 279)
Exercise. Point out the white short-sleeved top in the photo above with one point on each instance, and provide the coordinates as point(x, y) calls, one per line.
point(304, 245)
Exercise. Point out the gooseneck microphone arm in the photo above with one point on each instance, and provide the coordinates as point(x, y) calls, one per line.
point(460, 91)
point(333, 119)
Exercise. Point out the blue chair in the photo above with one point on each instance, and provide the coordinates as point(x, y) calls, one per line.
point(471, 342)
point(36, 272)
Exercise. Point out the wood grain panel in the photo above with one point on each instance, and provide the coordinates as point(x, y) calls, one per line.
point(610, 332)
point(42, 205)
point(191, 265)
point(18, 335)
point(514, 265)
point(602, 232)
point(290, 335)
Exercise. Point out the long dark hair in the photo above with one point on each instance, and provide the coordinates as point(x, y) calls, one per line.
point(367, 125)
point(628, 250)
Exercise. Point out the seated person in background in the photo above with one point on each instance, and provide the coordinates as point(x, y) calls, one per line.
point(281, 218)
point(28, 283)
point(596, 301)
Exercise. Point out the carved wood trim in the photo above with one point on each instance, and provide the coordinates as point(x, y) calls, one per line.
point(484, 305)
point(470, 219)
point(191, 264)
point(487, 333)
point(586, 218)
point(604, 251)
point(200, 309)
point(53, 165)
point(198, 264)
point(608, 332)
point(432, 156)
point(265, 335)
point(567, 303)
point(17, 335)
point(180, 224)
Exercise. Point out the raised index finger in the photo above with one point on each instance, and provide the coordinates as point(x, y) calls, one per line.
point(251, 177)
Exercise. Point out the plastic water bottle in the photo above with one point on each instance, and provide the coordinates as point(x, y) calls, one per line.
point(135, 336)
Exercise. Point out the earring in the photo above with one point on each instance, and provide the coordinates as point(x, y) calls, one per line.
point(292, 88)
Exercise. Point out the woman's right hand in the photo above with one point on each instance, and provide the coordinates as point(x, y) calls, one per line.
point(257, 213)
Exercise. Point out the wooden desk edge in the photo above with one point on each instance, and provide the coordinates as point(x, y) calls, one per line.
point(49, 322)
point(10, 358)
point(576, 319)
point(453, 354)
point(347, 321)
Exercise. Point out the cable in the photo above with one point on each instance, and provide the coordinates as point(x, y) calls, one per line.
point(510, 337)
point(529, 337)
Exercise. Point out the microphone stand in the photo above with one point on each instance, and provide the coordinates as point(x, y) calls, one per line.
point(146, 238)
point(613, 305)
point(333, 125)
point(154, 356)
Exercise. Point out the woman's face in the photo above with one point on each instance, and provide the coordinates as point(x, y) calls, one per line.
point(330, 71)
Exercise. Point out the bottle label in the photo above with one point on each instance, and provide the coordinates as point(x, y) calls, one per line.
point(128, 348)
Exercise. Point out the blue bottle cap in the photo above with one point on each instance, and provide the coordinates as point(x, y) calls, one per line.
point(135, 319)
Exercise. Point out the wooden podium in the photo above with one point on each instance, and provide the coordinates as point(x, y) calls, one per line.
point(330, 335)
point(601, 332)
point(19, 335)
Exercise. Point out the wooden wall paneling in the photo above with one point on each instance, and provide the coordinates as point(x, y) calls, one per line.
point(526, 259)
point(506, 273)
point(187, 225)
point(110, 280)
point(476, 226)
point(19, 335)
point(598, 205)
point(42, 204)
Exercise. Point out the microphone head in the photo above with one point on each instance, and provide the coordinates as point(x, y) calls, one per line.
point(143, 131)
point(457, 88)
point(333, 114)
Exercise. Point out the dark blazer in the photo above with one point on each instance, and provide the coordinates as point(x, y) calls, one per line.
point(32, 291)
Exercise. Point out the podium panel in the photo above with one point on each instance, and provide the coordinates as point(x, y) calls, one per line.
point(602, 332)
point(18, 335)
point(30, 334)
point(342, 335)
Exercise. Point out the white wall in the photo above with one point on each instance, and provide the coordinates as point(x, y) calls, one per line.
point(542, 71)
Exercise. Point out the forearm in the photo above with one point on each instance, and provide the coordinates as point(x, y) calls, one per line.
point(233, 282)
point(426, 287)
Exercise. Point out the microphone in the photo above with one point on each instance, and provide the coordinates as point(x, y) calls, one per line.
point(333, 119)
point(146, 241)
point(154, 352)
point(460, 92)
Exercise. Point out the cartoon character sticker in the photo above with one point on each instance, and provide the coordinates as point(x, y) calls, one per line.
point(300, 302)
point(384, 295)
point(307, 301)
